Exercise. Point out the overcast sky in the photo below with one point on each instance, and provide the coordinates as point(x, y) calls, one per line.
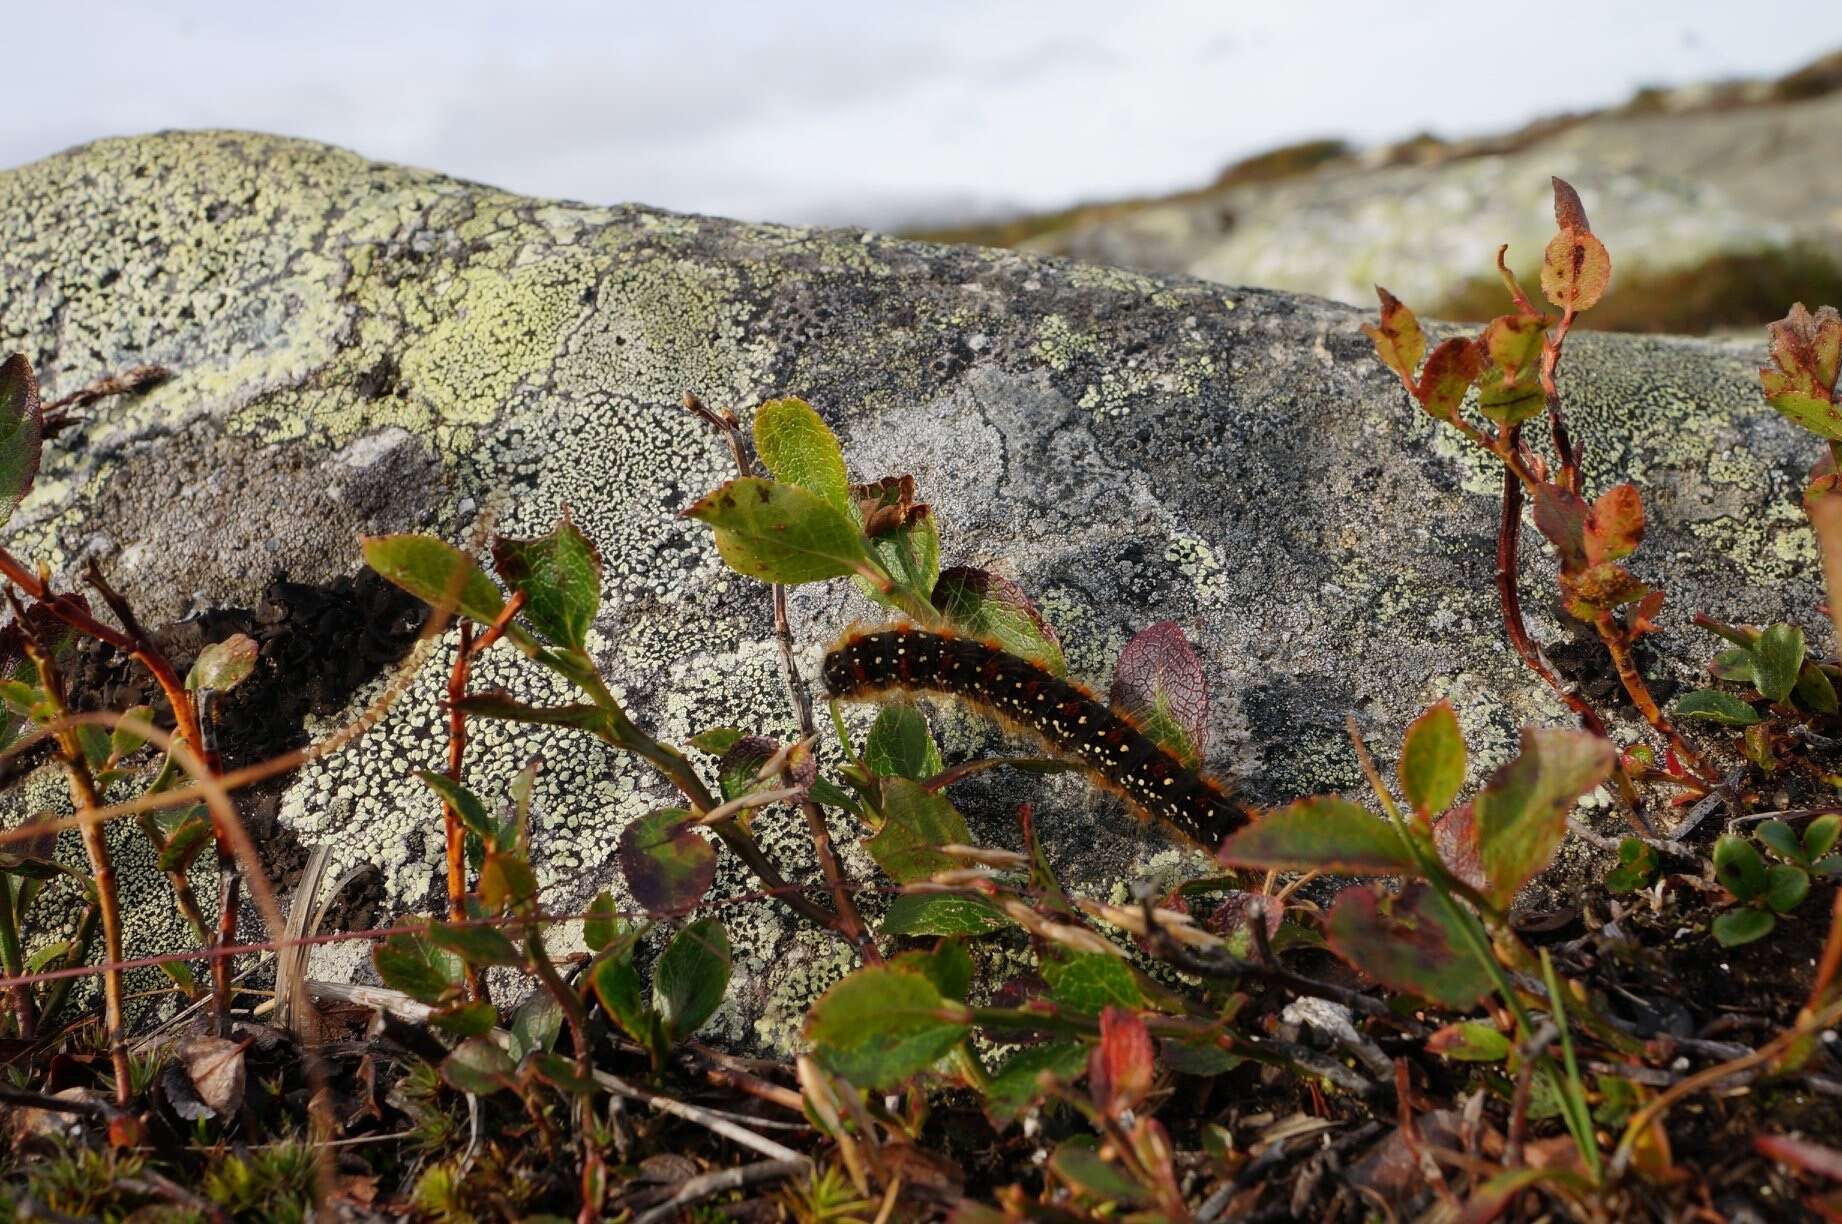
point(860, 112)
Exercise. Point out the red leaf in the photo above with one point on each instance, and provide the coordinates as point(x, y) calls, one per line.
point(1158, 680)
point(1801, 1154)
point(1449, 373)
point(1398, 340)
point(1615, 526)
point(1121, 1068)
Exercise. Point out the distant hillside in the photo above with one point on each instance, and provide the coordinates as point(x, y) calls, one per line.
point(1721, 203)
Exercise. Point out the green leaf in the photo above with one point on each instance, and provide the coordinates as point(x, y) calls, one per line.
point(467, 805)
point(477, 945)
point(184, 843)
point(717, 740)
point(536, 1023)
point(506, 882)
point(1406, 941)
point(1637, 866)
point(507, 708)
point(1322, 832)
point(1786, 887)
point(51, 953)
point(948, 966)
point(985, 605)
point(22, 432)
point(1078, 1164)
point(883, 1024)
point(178, 971)
point(1821, 834)
point(478, 1067)
point(560, 576)
point(943, 914)
point(617, 985)
point(1815, 691)
point(416, 967)
point(1738, 867)
point(562, 1074)
point(781, 532)
point(738, 771)
point(435, 572)
point(123, 740)
point(1716, 706)
point(1433, 760)
point(690, 978)
point(1777, 659)
point(1742, 926)
point(223, 665)
point(94, 741)
point(1780, 837)
point(602, 923)
point(1470, 1041)
point(1733, 664)
point(474, 1019)
point(1016, 1086)
point(900, 745)
point(1521, 814)
point(915, 823)
point(1087, 982)
point(668, 864)
point(798, 448)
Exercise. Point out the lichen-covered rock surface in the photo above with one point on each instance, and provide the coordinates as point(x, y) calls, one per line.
point(360, 347)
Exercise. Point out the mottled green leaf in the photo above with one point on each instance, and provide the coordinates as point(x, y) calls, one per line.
point(780, 532)
point(900, 745)
point(435, 572)
point(668, 864)
point(416, 967)
point(1406, 941)
point(1821, 834)
point(124, 740)
point(943, 914)
point(1777, 658)
point(467, 805)
point(478, 1067)
point(1637, 867)
point(800, 449)
point(1078, 1164)
point(1448, 375)
point(1738, 867)
point(1089, 981)
point(602, 924)
point(617, 985)
point(1521, 814)
point(475, 1019)
point(223, 665)
point(1716, 706)
point(1016, 1086)
point(690, 977)
point(477, 945)
point(883, 1024)
point(985, 605)
point(1786, 887)
point(1469, 1041)
point(1324, 833)
point(915, 823)
point(717, 740)
point(1815, 691)
point(1433, 760)
point(22, 432)
point(560, 577)
point(1742, 926)
point(184, 843)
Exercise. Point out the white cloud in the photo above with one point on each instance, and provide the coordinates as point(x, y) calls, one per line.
point(849, 111)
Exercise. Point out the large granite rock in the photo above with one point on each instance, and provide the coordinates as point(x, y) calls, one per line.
point(361, 347)
point(1669, 191)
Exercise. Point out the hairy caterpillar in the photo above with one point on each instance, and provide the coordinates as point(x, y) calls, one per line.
point(1065, 716)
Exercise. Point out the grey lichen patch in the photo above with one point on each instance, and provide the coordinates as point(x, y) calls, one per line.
point(364, 348)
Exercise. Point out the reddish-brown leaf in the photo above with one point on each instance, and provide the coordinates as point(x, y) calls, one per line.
point(1398, 339)
point(1561, 516)
point(1615, 526)
point(1449, 373)
point(1569, 212)
point(1406, 942)
point(1801, 1154)
point(1159, 681)
point(1121, 1068)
